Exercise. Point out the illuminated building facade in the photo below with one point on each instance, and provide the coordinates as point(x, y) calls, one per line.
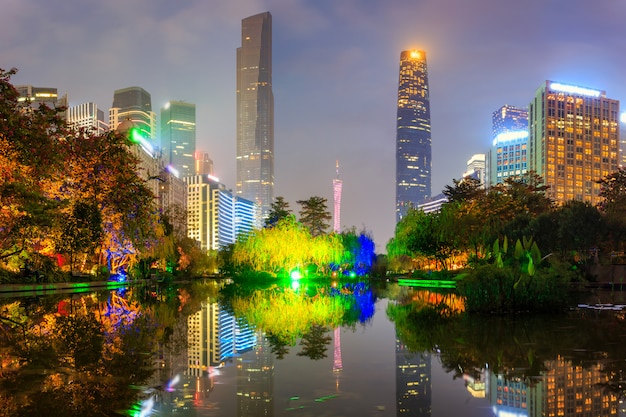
point(574, 140)
point(255, 112)
point(337, 185)
point(87, 116)
point(134, 104)
point(215, 217)
point(178, 136)
point(37, 96)
point(413, 139)
point(255, 380)
point(433, 205)
point(476, 168)
point(413, 382)
point(508, 156)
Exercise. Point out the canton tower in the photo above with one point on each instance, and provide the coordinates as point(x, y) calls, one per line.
point(413, 140)
point(337, 185)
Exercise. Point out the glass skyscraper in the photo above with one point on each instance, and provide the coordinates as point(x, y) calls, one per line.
point(255, 112)
point(178, 136)
point(413, 140)
point(508, 156)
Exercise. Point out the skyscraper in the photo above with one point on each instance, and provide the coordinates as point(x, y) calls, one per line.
point(508, 154)
point(413, 140)
point(337, 185)
point(134, 104)
point(574, 140)
point(178, 136)
point(255, 112)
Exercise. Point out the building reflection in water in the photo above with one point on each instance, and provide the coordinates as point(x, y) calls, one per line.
point(413, 382)
point(564, 389)
point(255, 380)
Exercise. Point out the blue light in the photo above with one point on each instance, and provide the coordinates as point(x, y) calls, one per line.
point(573, 89)
point(510, 137)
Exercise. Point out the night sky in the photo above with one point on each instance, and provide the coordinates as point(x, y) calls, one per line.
point(335, 74)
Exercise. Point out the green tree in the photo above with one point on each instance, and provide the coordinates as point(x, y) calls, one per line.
point(462, 190)
point(278, 211)
point(314, 215)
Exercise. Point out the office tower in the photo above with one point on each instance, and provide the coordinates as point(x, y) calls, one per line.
point(574, 140)
point(337, 185)
point(215, 217)
point(508, 154)
point(622, 140)
point(36, 96)
point(178, 136)
point(204, 164)
point(413, 140)
point(87, 116)
point(476, 168)
point(413, 382)
point(255, 112)
point(134, 104)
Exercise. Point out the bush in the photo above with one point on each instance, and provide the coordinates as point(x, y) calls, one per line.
point(489, 289)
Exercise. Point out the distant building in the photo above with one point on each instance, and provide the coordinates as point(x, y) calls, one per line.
point(87, 116)
point(215, 217)
point(508, 155)
point(134, 104)
point(433, 205)
point(36, 96)
point(574, 140)
point(255, 112)
point(178, 136)
point(413, 138)
point(204, 164)
point(476, 168)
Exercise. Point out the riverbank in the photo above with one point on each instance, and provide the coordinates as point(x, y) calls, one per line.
point(67, 287)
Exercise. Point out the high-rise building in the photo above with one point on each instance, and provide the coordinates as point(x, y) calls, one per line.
point(574, 140)
point(255, 112)
point(36, 96)
point(87, 116)
point(337, 185)
point(413, 139)
point(178, 136)
point(134, 104)
point(508, 155)
point(476, 168)
point(204, 164)
point(215, 217)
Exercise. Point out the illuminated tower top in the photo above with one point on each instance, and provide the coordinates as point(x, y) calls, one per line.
point(337, 186)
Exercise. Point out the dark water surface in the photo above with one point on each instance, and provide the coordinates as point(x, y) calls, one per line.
point(351, 349)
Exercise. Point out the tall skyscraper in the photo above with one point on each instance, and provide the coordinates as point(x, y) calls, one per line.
point(574, 140)
point(508, 154)
point(36, 96)
point(178, 136)
point(204, 163)
point(255, 112)
point(413, 139)
point(337, 185)
point(476, 168)
point(134, 104)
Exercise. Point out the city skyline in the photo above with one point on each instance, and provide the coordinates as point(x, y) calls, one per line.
point(334, 76)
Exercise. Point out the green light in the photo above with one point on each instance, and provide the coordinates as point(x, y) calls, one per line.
point(352, 274)
point(295, 274)
point(135, 135)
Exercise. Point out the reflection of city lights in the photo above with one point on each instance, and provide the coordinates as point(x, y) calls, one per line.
point(172, 383)
point(146, 407)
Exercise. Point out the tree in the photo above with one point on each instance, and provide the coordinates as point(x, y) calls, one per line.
point(464, 189)
point(278, 211)
point(314, 215)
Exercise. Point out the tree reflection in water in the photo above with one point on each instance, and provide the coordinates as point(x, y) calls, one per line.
point(526, 348)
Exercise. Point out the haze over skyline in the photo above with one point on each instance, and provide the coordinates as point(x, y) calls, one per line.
point(335, 75)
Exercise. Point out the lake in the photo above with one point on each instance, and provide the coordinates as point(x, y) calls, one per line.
point(304, 349)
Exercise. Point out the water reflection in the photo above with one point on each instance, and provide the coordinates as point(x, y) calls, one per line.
point(349, 349)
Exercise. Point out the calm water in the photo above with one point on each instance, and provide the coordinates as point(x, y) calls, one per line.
point(225, 350)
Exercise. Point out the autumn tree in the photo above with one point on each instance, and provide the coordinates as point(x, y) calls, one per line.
point(314, 215)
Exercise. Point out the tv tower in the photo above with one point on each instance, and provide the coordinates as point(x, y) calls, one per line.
point(337, 184)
